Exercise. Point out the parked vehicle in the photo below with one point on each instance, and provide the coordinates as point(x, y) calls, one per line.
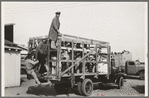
point(78, 63)
point(132, 69)
point(124, 62)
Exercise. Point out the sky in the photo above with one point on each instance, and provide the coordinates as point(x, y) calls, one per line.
point(123, 24)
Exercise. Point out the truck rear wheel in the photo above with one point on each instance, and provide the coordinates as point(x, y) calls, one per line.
point(120, 82)
point(79, 88)
point(141, 75)
point(87, 87)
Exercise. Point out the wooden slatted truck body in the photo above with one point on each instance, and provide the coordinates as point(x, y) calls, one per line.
point(88, 62)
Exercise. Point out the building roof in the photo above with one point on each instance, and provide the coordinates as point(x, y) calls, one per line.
point(11, 45)
point(13, 48)
point(9, 24)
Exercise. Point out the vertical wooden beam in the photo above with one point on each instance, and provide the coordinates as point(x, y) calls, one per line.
point(59, 58)
point(83, 65)
point(33, 43)
point(72, 56)
point(96, 60)
point(109, 61)
point(28, 45)
point(48, 55)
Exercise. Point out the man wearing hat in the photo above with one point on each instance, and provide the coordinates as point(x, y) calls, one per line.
point(41, 55)
point(54, 30)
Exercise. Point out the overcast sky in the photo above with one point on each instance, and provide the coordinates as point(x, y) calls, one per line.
point(123, 24)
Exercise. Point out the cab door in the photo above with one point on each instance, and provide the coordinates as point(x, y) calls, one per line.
point(131, 68)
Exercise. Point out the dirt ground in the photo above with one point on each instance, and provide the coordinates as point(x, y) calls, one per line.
point(28, 88)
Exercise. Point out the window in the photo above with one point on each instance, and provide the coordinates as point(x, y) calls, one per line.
point(131, 63)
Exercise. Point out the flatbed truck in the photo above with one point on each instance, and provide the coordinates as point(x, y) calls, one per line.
point(89, 62)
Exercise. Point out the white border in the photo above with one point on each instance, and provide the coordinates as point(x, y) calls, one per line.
point(146, 51)
point(2, 55)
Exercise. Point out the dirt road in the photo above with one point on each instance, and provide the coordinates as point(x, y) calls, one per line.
point(28, 88)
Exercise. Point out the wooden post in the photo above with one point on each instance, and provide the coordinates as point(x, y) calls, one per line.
point(109, 63)
point(48, 55)
point(59, 58)
point(96, 60)
point(72, 56)
point(28, 46)
point(83, 65)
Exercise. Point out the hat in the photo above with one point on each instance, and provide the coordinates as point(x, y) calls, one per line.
point(58, 13)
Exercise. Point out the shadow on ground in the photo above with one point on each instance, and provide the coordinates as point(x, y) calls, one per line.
point(46, 90)
point(139, 88)
point(100, 86)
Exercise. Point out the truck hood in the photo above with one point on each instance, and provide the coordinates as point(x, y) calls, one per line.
point(140, 66)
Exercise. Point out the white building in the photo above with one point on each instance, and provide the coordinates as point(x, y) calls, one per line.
point(12, 64)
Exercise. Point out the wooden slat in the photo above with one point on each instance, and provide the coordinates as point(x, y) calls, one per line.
point(48, 56)
point(59, 71)
point(86, 74)
point(72, 56)
point(83, 65)
point(66, 37)
point(96, 60)
point(109, 62)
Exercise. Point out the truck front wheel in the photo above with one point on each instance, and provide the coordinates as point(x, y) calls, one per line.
point(120, 82)
point(141, 75)
point(87, 87)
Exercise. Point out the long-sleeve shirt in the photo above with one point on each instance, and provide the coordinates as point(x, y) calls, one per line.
point(42, 48)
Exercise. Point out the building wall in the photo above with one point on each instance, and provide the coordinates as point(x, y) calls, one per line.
point(121, 58)
point(118, 60)
point(12, 68)
point(126, 56)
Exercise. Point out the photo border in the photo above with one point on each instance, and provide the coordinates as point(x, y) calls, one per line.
point(2, 40)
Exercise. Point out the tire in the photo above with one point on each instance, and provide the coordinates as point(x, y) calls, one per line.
point(120, 83)
point(141, 75)
point(61, 88)
point(87, 87)
point(79, 88)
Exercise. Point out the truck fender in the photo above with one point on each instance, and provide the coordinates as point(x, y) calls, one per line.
point(118, 76)
point(139, 71)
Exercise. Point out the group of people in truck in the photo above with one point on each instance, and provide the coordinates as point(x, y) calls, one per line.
point(41, 51)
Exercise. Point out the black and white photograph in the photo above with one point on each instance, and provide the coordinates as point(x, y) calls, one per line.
point(74, 49)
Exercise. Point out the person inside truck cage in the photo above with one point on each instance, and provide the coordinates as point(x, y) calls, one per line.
point(65, 56)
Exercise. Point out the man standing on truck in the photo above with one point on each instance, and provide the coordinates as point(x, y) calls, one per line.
point(54, 30)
